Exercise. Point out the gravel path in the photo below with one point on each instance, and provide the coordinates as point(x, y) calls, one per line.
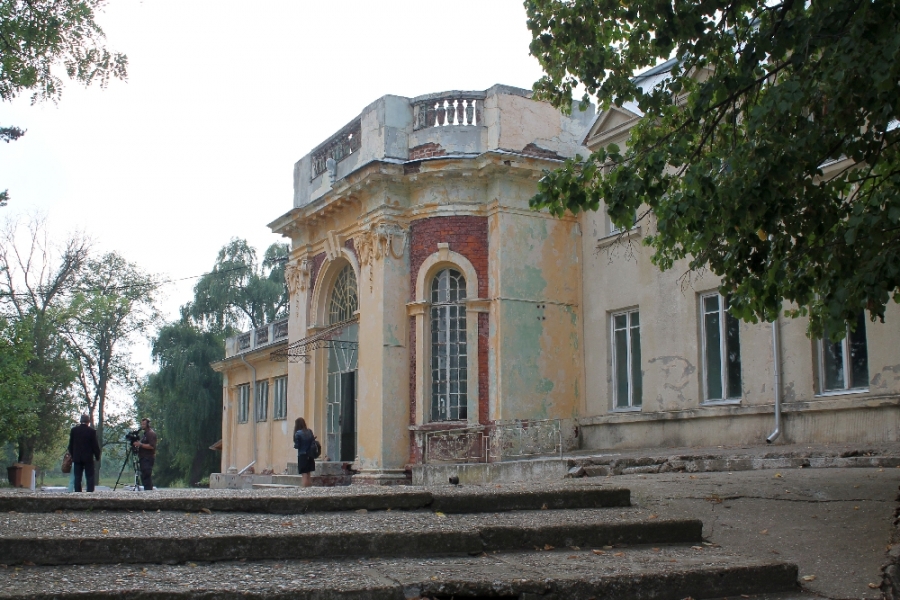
point(575, 572)
point(73, 525)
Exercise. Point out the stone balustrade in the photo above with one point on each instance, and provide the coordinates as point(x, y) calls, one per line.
point(339, 146)
point(453, 109)
point(266, 335)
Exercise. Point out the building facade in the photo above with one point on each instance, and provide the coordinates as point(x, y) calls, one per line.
point(435, 317)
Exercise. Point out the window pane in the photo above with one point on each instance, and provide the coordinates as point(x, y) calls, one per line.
point(859, 354)
point(711, 304)
point(448, 349)
point(635, 319)
point(620, 321)
point(833, 363)
point(733, 352)
point(621, 367)
point(713, 351)
point(637, 389)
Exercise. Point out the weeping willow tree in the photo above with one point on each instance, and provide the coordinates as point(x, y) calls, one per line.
point(183, 400)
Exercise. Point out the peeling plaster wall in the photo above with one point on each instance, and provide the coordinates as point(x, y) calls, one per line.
point(535, 261)
point(620, 276)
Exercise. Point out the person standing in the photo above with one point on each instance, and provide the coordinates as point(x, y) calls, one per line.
point(303, 440)
point(84, 448)
point(146, 449)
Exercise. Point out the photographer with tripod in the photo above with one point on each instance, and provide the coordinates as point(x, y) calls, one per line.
point(146, 451)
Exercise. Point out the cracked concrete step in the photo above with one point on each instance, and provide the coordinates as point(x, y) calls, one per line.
point(705, 462)
point(468, 499)
point(661, 573)
point(81, 538)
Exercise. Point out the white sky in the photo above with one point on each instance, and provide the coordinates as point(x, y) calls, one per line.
point(222, 98)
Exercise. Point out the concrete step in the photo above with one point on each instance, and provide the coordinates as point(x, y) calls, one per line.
point(645, 573)
point(289, 500)
point(160, 537)
point(731, 459)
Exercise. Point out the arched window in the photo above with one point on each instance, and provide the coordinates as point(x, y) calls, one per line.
point(448, 346)
point(344, 301)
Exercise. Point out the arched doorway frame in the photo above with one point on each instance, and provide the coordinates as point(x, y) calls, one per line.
point(318, 316)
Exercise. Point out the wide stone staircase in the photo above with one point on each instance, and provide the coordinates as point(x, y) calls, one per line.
point(556, 542)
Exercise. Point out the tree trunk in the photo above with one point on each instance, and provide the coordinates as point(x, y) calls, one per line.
point(26, 450)
point(196, 473)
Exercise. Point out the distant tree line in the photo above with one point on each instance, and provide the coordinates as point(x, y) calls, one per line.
point(69, 318)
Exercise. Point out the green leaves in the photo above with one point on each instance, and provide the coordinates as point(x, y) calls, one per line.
point(39, 36)
point(238, 290)
point(782, 126)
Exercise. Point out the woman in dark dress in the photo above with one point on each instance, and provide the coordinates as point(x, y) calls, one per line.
point(303, 439)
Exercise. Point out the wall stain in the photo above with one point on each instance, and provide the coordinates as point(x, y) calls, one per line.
point(677, 371)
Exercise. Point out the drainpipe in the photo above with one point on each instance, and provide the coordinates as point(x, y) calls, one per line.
point(252, 417)
point(776, 355)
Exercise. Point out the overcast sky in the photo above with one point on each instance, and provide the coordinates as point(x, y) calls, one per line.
point(222, 98)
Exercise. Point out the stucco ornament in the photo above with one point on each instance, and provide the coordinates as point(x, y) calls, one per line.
point(296, 275)
point(376, 242)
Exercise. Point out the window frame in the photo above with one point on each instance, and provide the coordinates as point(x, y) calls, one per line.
point(846, 366)
point(629, 360)
point(723, 315)
point(243, 402)
point(611, 228)
point(343, 299)
point(261, 408)
point(279, 398)
point(443, 310)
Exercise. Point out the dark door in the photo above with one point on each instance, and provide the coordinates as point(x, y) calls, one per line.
point(348, 416)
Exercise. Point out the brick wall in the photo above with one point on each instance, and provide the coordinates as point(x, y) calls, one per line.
point(317, 261)
point(483, 341)
point(535, 150)
point(426, 151)
point(466, 235)
point(349, 245)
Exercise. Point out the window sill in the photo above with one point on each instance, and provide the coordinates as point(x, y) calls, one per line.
point(627, 409)
point(730, 402)
point(442, 426)
point(612, 238)
point(846, 392)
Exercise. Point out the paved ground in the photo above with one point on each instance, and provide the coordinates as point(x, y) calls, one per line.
point(835, 524)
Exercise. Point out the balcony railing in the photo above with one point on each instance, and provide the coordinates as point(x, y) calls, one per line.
point(501, 440)
point(341, 145)
point(266, 335)
point(455, 108)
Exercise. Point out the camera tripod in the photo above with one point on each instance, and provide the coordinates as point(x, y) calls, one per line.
point(130, 455)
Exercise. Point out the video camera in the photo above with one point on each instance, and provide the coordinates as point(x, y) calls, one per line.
point(133, 436)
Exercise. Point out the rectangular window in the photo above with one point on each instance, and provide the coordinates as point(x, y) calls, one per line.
point(611, 227)
point(243, 402)
point(844, 365)
point(279, 408)
point(626, 352)
point(262, 400)
point(721, 350)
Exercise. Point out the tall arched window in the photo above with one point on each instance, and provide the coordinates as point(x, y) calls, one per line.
point(448, 346)
point(344, 301)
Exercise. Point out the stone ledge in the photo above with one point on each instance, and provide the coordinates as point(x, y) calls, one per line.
point(823, 403)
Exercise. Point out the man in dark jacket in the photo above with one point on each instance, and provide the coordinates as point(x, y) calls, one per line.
point(84, 448)
point(146, 449)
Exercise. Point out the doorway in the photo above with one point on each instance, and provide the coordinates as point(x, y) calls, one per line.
point(342, 394)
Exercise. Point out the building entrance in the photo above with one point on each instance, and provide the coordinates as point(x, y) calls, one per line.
point(342, 378)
